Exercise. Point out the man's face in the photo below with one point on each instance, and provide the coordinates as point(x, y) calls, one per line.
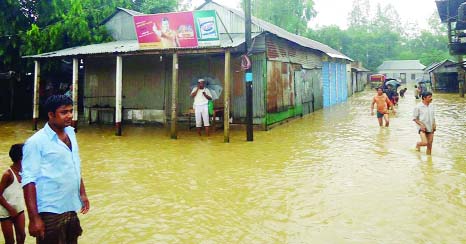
point(165, 26)
point(428, 99)
point(62, 117)
point(201, 84)
point(379, 91)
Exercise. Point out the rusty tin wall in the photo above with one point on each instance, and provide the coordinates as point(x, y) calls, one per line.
point(238, 96)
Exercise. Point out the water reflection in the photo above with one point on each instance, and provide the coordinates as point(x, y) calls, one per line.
point(334, 176)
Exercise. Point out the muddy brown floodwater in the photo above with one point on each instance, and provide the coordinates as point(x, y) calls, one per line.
point(331, 177)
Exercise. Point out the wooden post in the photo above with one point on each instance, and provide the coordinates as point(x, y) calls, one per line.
point(35, 112)
point(118, 94)
point(173, 130)
point(226, 98)
point(460, 75)
point(248, 72)
point(74, 93)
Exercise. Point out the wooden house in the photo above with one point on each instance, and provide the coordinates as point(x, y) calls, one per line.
point(443, 76)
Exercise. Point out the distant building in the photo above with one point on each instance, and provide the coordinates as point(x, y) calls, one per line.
point(358, 76)
point(403, 70)
point(443, 76)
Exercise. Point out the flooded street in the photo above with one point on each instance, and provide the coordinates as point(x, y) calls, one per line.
point(331, 177)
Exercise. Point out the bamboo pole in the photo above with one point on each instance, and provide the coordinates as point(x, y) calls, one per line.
point(118, 94)
point(226, 98)
point(35, 113)
point(173, 130)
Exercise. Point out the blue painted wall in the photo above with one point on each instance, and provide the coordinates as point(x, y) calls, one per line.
point(334, 87)
point(326, 84)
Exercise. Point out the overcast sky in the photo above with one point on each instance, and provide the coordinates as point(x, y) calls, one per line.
point(328, 14)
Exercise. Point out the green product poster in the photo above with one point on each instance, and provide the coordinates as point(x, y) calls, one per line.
point(206, 28)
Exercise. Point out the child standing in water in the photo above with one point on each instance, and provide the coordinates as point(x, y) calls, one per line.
point(12, 200)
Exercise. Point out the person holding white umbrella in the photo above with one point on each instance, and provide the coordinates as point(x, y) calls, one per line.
point(201, 96)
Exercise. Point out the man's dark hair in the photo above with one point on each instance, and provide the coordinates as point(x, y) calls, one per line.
point(16, 152)
point(56, 101)
point(425, 94)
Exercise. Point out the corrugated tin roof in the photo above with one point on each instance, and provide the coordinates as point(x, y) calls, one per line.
point(360, 69)
point(300, 40)
point(109, 47)
point(131, 12)
point(437, 65)
point(131, 46)
point(118, 9)
point(432, 66)
point(401, 64)
point(443, 9)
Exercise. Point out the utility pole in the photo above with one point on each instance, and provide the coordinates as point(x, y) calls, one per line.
point(248, 72)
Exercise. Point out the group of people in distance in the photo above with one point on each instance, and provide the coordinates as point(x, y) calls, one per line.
point(423, 116)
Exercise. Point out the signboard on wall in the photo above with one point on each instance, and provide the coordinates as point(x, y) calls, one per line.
point(206, 28)
point(177, 30)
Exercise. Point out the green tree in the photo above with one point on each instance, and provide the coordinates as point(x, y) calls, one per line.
point(13, 24)
point(359, 15)
point(31, 26)
point(156, 6)
point(373, 40)
point(293, 18)
point(332, 36)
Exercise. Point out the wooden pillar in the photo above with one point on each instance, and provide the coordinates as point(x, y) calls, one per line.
point(226, 98)
point(173, 130)
point(461, 75)
point(118, 94)
point(35, 109)
point(74, 93)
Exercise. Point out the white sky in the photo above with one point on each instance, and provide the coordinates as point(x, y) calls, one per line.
point(335, 12)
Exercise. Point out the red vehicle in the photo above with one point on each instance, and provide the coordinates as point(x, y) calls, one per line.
point(377, 80)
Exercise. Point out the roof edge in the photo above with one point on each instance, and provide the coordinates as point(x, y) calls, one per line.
point(263, 25)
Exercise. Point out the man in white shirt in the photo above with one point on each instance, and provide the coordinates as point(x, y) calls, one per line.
point(201, 96)
point(424, 117)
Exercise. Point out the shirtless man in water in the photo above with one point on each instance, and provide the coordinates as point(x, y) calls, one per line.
point(382, 101)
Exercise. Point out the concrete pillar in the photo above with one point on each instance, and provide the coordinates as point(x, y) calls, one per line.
point(35, 110)
point(75, 94)
point(173, 129)
point(118, 94)
point(226, 98)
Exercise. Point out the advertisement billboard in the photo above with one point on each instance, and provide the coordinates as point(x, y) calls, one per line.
point(177, 30)
point(206, 28)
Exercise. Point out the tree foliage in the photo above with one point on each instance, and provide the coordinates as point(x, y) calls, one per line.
point(33, 26)
point(155, 6)
point(381, 37)
point(359, 15)
point(291, 15)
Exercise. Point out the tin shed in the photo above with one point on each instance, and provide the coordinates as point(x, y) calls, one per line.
point(292, 75)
